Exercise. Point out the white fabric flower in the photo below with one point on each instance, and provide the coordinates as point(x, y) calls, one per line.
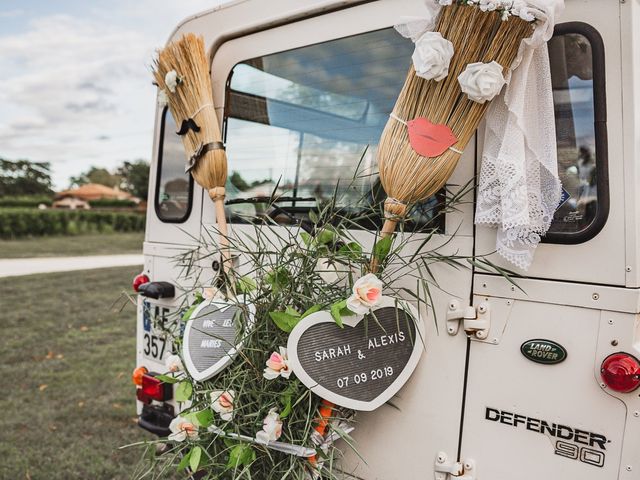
point(172, 80)
point(181, 429)
point(163, 100)
point(526, 14)
point(271, 428)
point(277, 365)
point(222, 403)
point(331, 271)
point(367, 293)
point(432, 56)
point(174, 363)
point(482, 81)
point(488, 5)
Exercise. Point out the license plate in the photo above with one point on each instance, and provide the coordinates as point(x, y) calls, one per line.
point(155, 323)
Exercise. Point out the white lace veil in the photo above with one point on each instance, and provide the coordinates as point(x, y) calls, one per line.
point(519, 189)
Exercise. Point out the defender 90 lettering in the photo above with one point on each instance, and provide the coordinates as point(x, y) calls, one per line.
point(587, 454)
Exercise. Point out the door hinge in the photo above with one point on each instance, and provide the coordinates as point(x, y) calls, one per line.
point(476, 321)
point(447, 470)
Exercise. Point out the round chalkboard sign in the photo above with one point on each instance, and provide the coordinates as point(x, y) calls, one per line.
point(213, 336)
point(364, 364)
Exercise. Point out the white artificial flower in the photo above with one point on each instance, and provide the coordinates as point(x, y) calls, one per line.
point(488, 5)
point(445, 3)
point(271, 428)
point(331, 271)
point(163, 100)
point(174, 363)
point(367, 293)
point(277, 365)
point(181, 429)
point(526, 14)
point(172, 80)
point(482, 81)
point(222, 403)
point(505, 15)
point(432, 56)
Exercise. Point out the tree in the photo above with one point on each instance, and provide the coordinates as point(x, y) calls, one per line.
point(135, 178)
point(23, 177)
point(239, 182)
point(97, 175)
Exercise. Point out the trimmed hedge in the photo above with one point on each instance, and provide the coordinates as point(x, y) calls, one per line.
point(25, 201)
point(111, 203)
point(17, 223)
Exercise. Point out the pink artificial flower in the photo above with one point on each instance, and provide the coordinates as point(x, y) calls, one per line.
point(367, 293)
point(277, 365)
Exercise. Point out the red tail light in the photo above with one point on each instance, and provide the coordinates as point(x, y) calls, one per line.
point(621, 372)
point(140, 279)
point(154, 389)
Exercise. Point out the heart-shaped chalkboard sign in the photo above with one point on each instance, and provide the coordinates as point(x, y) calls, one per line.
point(364, 364)
point(213, 336)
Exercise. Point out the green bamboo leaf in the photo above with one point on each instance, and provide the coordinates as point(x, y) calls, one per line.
point(310, 310)
point(306, 238)
point(184, 391)
point(382, 248)
point(194, 460)
point(292, 311)
point(284, 321)
point(313, 216)
point(184, 462)
point(203, 418)
point(187, 315)
point(167, 379)
point(246, 284)
point(325, 236)
point(241, 454)
point(336, 312)
point(352, 250)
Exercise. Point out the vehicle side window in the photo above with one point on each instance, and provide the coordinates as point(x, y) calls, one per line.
point(300, 123)
point(577, 70)
point(174, 187)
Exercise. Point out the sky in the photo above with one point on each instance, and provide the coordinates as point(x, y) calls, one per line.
point(75, 88)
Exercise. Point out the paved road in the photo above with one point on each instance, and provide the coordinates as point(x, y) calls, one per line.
point(29, 266)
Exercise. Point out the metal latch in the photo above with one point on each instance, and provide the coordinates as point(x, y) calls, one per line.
point(476, 320)
point(446, 470)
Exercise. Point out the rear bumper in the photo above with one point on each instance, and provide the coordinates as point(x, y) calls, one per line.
point(156, 419)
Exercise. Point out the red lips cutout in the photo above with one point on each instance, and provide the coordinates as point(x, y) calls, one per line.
point(430, 139)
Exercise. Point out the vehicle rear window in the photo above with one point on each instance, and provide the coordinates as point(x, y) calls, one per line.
point(300, 123)
point(577, 69)
point(174, 187)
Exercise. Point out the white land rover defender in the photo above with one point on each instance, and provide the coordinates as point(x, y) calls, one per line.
point(515, 383)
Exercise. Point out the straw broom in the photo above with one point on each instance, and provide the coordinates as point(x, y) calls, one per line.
point(407, 177)
point(192, 102)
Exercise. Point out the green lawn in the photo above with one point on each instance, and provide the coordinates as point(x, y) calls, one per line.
point(66, 246)
point(67, 402)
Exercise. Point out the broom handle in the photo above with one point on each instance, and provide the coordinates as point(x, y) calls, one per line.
point(217, 195)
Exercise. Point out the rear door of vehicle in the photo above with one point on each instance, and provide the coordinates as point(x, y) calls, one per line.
point(535, 406)
point(303, 104)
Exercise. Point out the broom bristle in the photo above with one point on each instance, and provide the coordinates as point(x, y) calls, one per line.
point(193, 98)
point(477, 36)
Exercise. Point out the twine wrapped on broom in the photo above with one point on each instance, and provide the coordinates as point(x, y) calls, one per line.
point(406, 176)
point(182, 73)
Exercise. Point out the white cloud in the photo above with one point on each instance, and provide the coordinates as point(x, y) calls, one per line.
point(76, 89)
